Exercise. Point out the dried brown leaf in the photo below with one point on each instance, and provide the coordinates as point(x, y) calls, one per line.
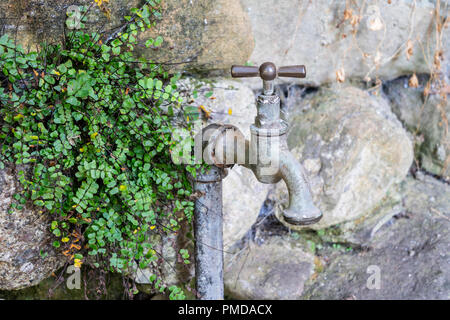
point(374, 23)
point(377, 58)
point(355, 20)
point(426, 90)
point(340, 75)
point(348, 13)
point(413, 82)
point(446, 22)
point(437, 60)
point(409, 49)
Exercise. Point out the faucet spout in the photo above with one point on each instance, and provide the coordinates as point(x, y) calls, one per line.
point(301, 209)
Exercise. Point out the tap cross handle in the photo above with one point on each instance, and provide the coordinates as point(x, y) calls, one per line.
point(268, 71)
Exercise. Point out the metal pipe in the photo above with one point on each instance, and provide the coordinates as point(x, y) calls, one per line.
point(208, 234)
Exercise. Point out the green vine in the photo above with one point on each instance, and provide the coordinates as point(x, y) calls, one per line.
point(82, 122)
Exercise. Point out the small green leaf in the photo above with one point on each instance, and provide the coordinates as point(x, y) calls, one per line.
point(73, 101)
point(116, 50)
point(158, 41)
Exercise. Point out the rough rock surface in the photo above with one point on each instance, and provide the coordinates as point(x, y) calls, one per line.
point(427, 119)
point(353, 149)
point(23, 235)
point(205, 34)
point(364, 41)
point(55, 287)
point(411, 251)
point(276, 269)
point(32, 21)
point(319, 34)
point(171, 272)
point(360, 231)
point(243, 198)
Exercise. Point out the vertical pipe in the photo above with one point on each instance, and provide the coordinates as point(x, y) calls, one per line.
point(208, 234)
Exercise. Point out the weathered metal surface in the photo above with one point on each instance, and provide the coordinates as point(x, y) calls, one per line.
point(301, 209)
point(292, 71)
point(268, 71)
point(269, 157)
point(244, 71)
point(208, 235)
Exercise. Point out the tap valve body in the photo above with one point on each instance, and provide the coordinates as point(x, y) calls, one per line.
point(266, 154)
point(269, 156)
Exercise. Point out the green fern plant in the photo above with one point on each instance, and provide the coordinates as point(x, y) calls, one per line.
point(83, 122)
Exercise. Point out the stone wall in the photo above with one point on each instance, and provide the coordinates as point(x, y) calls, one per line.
point(369, 123)
point(24, 236)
